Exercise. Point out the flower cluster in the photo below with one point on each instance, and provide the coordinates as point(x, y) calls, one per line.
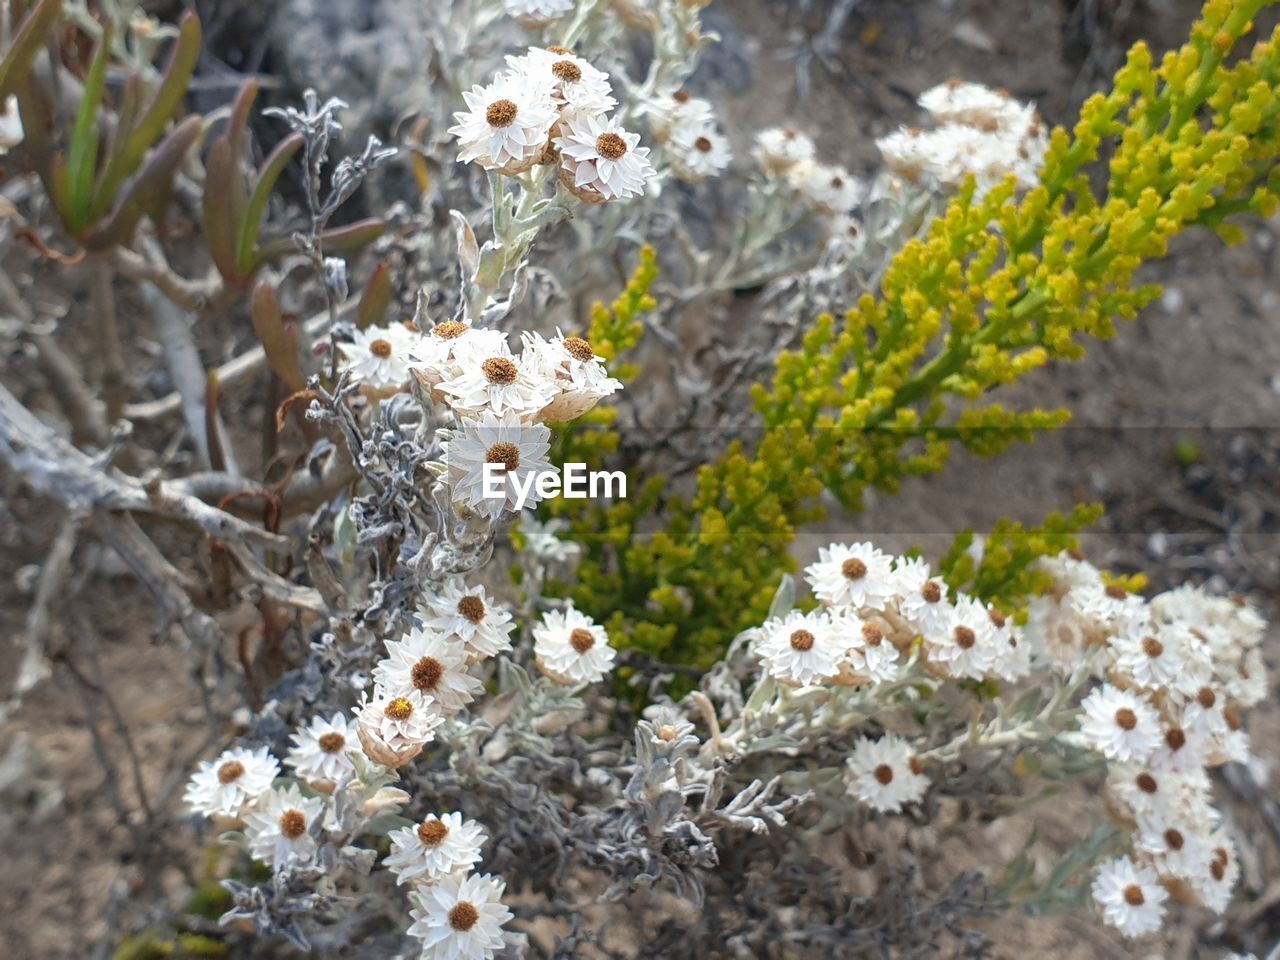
point(1179, 672)
point(686, 125)
point(552, 107)
point(982, 133)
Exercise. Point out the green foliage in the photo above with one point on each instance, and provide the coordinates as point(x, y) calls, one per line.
point(33, 30)
point(998, 287)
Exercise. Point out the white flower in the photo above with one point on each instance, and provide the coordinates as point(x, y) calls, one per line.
point(571, 648)
point(468, 614)
point(536, 13)
point(438, 355)
point(1054, 631)
point(699, 152)
point(497, 383)
point(1012, 651)
point(227, 786)
point(506, 125)
point(974, 105)
point(426, 661)
point(540, 539)
point(393, 729)
point(1120, 724)
point(924, 598)
point(379, 356)
point(885, 773)
point(520, 447)
point(965, 646)
point(11, 131)
point(676, 110)
point(459, 917)
point(1109, 605)
point(829, 188)
point(778, 149)
point(437, 846)
point(852, 576)
point(801, 649)
point(573, 368)
point(1218, 872)
point(601, 161)
point(1130, 897)
point(319, 751)
point(1155, 657)
point(280, 830)
point(574, 85)
point(870, 655)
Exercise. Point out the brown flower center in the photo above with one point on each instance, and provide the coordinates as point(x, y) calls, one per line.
point(579, 349)
point(1146, 783)
point(426, 674)
point(1218, 868)
point(449, 330)
point(1133, 895)
point(432, 832)
point(230, 771)
point(884, 773)
point(1126, 719)
point(472, 608)
point(293, 824)
point(560, 51)
point(1233, 718)
point(703, 145)
point(611, 146)
point(1152, 647)
point(463, 916)
point(681, 97)
point(507, 454)
point(332, 742)
point(500, 370)
point(1173, 839)
point(872, 634)
point(916, 766)
point(567, 70)
point(380, 348)
point(965, 637)
point(1116, 592)
point(837, 182)
point(853, 569)
point(1175, 739)
point(399, 709)
point(1207, 698)
point(501, 113)
point(802, 640)
point(931, 592)
point(997, 618)
point(582, 639)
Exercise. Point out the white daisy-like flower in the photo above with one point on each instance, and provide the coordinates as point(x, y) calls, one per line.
point(319, 750)
point(1054, 631)
point(1157, 657)
point(601, 161)
point(677, 110)
point(498, 383)
point(426, 661)
point(379, 356)
point(1110, 605)
point(801, 649)
point(1120, 724)
point(885, 774)
point(852, 576)
point(778, 149)
point(279, 831)
point(924, 601)
point(506, 125)
point(1181, 750)
point(1218, 872)
point(470, 615)
point(665, 726)
point(1215, 724)
point(227, 786)
point(831, 189)
point(870, 655)
point(1246, 683)
point(965, 647)
point(519, 447)
point(973, 105)
point(573, 368)
point(571, 648)
point(438, 355)
point(394, 729)
point(439, 845)
point(574, 85)
point(1012, 651)
point(699, 152)
point(459, 917)
point(1130, 897)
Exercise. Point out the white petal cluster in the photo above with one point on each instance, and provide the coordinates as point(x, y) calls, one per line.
point(1130, 897)
point(379, 357)
point(828, 187)
point(472, 618)
point(506, 125)
point(520, 447)
point(571, 648)
point(696, 147)
point(982, 133)
point(393, 728)
point(233, 783)
point(779, 149)
point(432, 664)
point(601, 161)
point(573, 369)
point(438, 846)
point(281, 830)
point(885, 774)
point(319, 751)
point(459, 917)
